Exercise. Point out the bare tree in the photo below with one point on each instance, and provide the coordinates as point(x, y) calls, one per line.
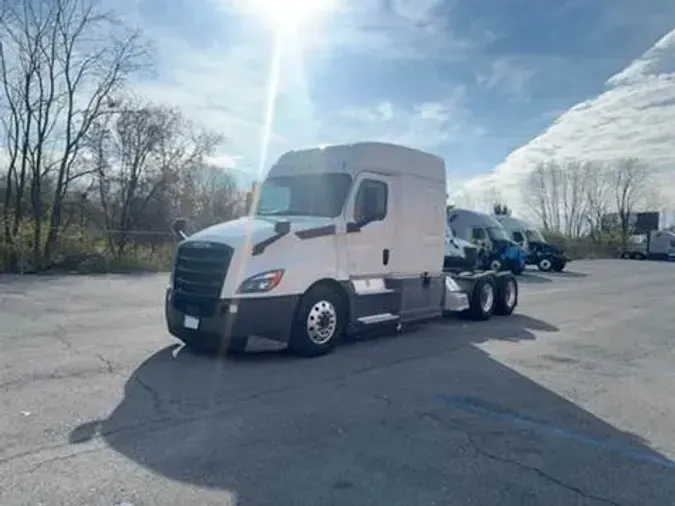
point(556, 193)
point(215, 197)
point(141, 156)
point(540, 192)
point(631, 186)
point(574, 180)
point(598, 197)
point(61, 62)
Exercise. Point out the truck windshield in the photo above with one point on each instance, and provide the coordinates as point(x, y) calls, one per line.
point(534, 236)
point(497, 234)
point(304, 195)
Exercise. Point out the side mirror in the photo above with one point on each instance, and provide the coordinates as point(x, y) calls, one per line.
point(282, 227)
point(179, 227)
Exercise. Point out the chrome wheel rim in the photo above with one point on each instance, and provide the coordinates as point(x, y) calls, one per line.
point(321, 322)
point(487, 298)
point(545, 264)
point(496, 265)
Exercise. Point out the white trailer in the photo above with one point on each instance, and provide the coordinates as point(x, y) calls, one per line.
point(344, 239)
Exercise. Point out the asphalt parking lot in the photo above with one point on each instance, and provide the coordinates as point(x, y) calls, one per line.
point(568, 402)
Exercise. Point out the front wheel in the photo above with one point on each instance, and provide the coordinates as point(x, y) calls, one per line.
point(545, 264)
point(518, 268)
point(495, 264)
point(319, 322)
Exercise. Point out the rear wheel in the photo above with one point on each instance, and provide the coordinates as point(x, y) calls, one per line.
point(319, 322)
point(507, 295)
point(483, 299)
point(559, 266)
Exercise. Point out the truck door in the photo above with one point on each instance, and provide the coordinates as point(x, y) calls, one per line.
point(519, 237)
point(370, 233)
point(480, 238)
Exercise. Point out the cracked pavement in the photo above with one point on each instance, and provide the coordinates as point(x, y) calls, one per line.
point(568, 402)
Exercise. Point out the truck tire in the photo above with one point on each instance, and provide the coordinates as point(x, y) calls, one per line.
point(559, 265)
point(495, 264)
point(507, 295)
point(545, 264)
point(319, 322)
point(639, 256)
point(518, 269)
point(483, 299)
point(237, 345)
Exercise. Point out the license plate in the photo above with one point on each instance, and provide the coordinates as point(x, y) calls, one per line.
point(191, 322)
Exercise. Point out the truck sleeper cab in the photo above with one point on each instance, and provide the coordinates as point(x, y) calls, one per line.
point(496, 249)
point(343, 239)
point(547, 257)
point(656, 245)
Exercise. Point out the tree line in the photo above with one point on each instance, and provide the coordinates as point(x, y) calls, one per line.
point(588, 206)
point(575, 198)
point(88, 169)
point(86, 166)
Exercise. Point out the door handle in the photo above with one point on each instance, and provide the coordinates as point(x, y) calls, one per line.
point(385, 256)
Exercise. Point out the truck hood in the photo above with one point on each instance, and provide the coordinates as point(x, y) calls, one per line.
point(546, 247)
point(255, 229)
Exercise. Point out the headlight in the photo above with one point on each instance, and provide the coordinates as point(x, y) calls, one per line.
point(263, 282)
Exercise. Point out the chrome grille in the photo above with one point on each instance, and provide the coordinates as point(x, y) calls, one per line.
point(199, 271)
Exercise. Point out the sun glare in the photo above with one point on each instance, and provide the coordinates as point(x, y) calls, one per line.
point(288, 14)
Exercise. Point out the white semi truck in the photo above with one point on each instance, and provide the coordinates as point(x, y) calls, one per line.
point(343, 239)
point(656, 245)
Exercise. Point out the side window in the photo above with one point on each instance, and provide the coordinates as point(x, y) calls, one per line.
point(478, 234)
point(672, 244)
point(518, 237)
point(371, 201)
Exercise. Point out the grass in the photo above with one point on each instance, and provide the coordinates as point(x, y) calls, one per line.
point(85, 251)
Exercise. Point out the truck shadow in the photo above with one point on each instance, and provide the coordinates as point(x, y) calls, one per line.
point(428, 409)
point(568, 274)
point(531, 278)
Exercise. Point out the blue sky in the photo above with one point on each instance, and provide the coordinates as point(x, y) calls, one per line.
point(472, 81)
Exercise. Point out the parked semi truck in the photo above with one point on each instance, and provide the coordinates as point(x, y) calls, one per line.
point(656, 245)
point(547, 257)
point(343, 239)
point(497, 251)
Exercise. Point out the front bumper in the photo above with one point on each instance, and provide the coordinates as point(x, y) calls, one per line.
point(554, 257)
point(269, 317)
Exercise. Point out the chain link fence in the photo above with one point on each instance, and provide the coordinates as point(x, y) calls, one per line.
point(88, 250)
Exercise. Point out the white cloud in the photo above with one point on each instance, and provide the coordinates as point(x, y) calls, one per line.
point(398, 30)
point(509, 74)
point(416, 10)
point(225, 89)
point(633, 117)
point(426, 125)
point(222, 89)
